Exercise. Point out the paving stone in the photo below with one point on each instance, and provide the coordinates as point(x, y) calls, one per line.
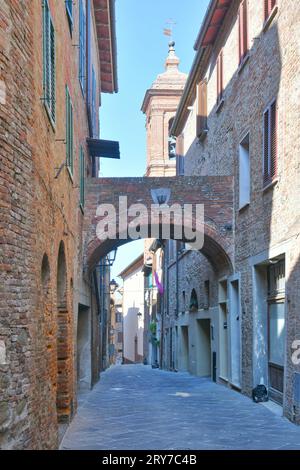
point(148, 414)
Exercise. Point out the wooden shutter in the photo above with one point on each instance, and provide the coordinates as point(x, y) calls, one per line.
point(268, 7)
point(48, 62)
point(220, 81)
point(52, 72)
point(273, 140)
point(266, 147)
point(270, 143)
point(243, 30)
point(69, 132)
point(69, 8)
point(201, 107)
point(82, 47)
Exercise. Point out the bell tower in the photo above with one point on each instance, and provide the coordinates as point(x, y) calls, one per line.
point(159, 106)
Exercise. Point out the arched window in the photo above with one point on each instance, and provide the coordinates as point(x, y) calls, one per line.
point(171, 140)
point(194, 301)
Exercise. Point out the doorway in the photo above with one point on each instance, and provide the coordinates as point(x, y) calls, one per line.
point(276, 330)
point(83, 349)
point(235, 333)
point(223, 330)
point(203, 348)
point(184, 347)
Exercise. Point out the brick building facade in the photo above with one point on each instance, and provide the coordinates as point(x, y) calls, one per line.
point(55, 59)
point(238, 322)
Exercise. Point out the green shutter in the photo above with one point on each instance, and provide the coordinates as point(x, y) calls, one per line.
point(69, 132)
point(48, 62)
point(82, 46)
point(69, 9)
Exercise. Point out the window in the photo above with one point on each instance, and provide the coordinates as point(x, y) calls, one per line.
point(69, 132)
point(268, 7)
point(82, 176)
point(82, 46)
point(201, 109)
point(69, 10)
point(220, 79)
point(193, 301)
point(270, 144)
point(180, 155)
point(243, 30)
point(118, 317)
point(171, 141)
point(244, 172)
point(120, 337)
point(48, 62)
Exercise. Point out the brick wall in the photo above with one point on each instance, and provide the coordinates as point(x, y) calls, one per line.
point(272, 218)
point(40, 225)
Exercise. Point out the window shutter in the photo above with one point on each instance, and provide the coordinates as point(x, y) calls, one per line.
point(241, 31)
point(245, 28)
point(220, 81)
point(273, 139)
point(71, 139)
point(270, 144)
point(52, 72)
point(69, 8)
point(201, 107)
point(266, 147)
point(82, 47)
point(273, 3)
point(48, 62)
point(69, 132)
point(266, 7)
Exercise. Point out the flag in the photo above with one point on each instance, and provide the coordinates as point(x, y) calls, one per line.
point(158, 284)
point(167, 32)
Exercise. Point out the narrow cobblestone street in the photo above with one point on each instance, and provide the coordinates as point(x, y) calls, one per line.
point(135, 407)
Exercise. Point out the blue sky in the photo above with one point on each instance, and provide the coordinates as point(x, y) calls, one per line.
point(142, 50)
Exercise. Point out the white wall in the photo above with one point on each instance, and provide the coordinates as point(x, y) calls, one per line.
point(133, 303)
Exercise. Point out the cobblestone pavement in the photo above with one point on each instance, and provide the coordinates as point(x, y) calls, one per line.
point(134, 407)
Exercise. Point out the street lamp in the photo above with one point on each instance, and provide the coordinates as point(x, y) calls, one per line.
point(113, 285)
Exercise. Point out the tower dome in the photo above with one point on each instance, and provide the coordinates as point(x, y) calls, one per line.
point(160, 106)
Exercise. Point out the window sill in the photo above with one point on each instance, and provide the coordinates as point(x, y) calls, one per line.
point(270, 19)
point(243, 63)
point(202, 135)
point(220, 105)
point(270, 185)
point(70, 174)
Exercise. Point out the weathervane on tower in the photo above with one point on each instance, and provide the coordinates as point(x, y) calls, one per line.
point(168, 31)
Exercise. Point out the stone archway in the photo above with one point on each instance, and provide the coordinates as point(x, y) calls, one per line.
point(215, 193)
